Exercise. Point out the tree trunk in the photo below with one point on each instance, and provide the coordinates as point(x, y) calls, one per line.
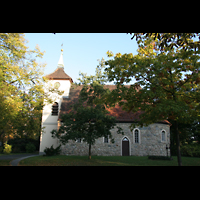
point(90, 151)
point(178, 145)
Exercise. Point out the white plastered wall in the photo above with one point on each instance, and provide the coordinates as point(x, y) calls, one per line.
point(50, 122)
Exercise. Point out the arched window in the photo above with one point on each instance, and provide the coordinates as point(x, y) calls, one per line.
point(163, 136)
point(106, 139)
point(136, 136)
point(79, 140)
point(55, 109)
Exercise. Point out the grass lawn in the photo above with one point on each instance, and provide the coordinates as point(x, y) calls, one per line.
point(5, 162)
point(63, 160)
point(4, 154)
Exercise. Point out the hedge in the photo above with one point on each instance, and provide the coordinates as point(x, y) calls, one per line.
point(191, 150)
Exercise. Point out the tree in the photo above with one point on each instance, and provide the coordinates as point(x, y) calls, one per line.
point(28, 120)
point(189, 134)
point(89, 119)
point(21, 86)
point(169, 81)
point(181, 40)
point(86, 123)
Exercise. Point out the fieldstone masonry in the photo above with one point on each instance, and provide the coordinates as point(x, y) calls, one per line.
point(150, 142)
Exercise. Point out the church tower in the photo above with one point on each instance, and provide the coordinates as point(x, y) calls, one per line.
point(60, 80)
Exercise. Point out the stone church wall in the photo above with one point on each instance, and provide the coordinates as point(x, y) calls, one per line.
point(150, 142)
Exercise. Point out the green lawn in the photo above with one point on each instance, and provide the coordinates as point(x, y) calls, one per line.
point(63, 160)
point(4, 154)
point(5, 162)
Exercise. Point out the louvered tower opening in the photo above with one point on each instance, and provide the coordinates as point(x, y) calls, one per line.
point(55, 109)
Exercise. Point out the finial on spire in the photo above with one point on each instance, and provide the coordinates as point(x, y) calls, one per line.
point(60, 62)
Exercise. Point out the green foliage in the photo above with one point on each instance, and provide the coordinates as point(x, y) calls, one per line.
point(192, 150)
point(19, 72)
point(183, 40)
point(88, 123)
point(51, 151)
point(99, 78)
point(21, 87)
point(169, 82)
point(189, 133)
point(30, 148)
point(166, 74)
point(19, 144)
point(88, 120)
point(7, 148)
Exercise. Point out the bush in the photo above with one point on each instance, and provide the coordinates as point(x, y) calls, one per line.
point(7, 148)
point(30, 148)
point(51, 151)
point(1, 149)
point(192, 150)
point(19, 144)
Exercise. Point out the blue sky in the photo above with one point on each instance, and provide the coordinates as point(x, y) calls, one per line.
point(81, 50)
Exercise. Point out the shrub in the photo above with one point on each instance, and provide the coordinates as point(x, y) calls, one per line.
point(16, 149)
point(51, 151)
point(19, 144)
point(1, 149)
point(30, 148)
point(192, 150)
point(7, 148)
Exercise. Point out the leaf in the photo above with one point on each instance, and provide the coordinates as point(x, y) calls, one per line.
point(161, 75)
point(21, 84)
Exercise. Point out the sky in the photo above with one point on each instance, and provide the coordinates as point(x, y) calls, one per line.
point(81, 51)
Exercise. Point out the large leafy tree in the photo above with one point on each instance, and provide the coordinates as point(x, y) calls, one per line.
point(19, 72)
point(86, 123)
point(89, 119)
point(169, 81)
point(180, 40)
point(21, 86)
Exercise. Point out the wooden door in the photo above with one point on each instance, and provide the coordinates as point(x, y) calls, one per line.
point(125, 147)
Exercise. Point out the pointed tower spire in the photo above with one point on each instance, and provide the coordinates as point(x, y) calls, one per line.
point(60, 62)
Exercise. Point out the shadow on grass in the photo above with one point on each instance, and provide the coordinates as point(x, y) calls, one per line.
point(62, 160)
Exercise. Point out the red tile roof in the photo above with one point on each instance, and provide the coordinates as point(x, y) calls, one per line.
point(121, 115)
point(124, 116)
point(68, 102)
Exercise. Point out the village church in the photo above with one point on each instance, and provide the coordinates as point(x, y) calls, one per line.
point(150, 140)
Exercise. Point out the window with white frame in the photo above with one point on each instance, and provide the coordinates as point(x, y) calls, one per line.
point(105, 139)
point(163, 136)
point(78, 140)
point(136, 136)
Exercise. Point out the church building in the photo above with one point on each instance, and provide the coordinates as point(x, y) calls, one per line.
point(142, 141)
